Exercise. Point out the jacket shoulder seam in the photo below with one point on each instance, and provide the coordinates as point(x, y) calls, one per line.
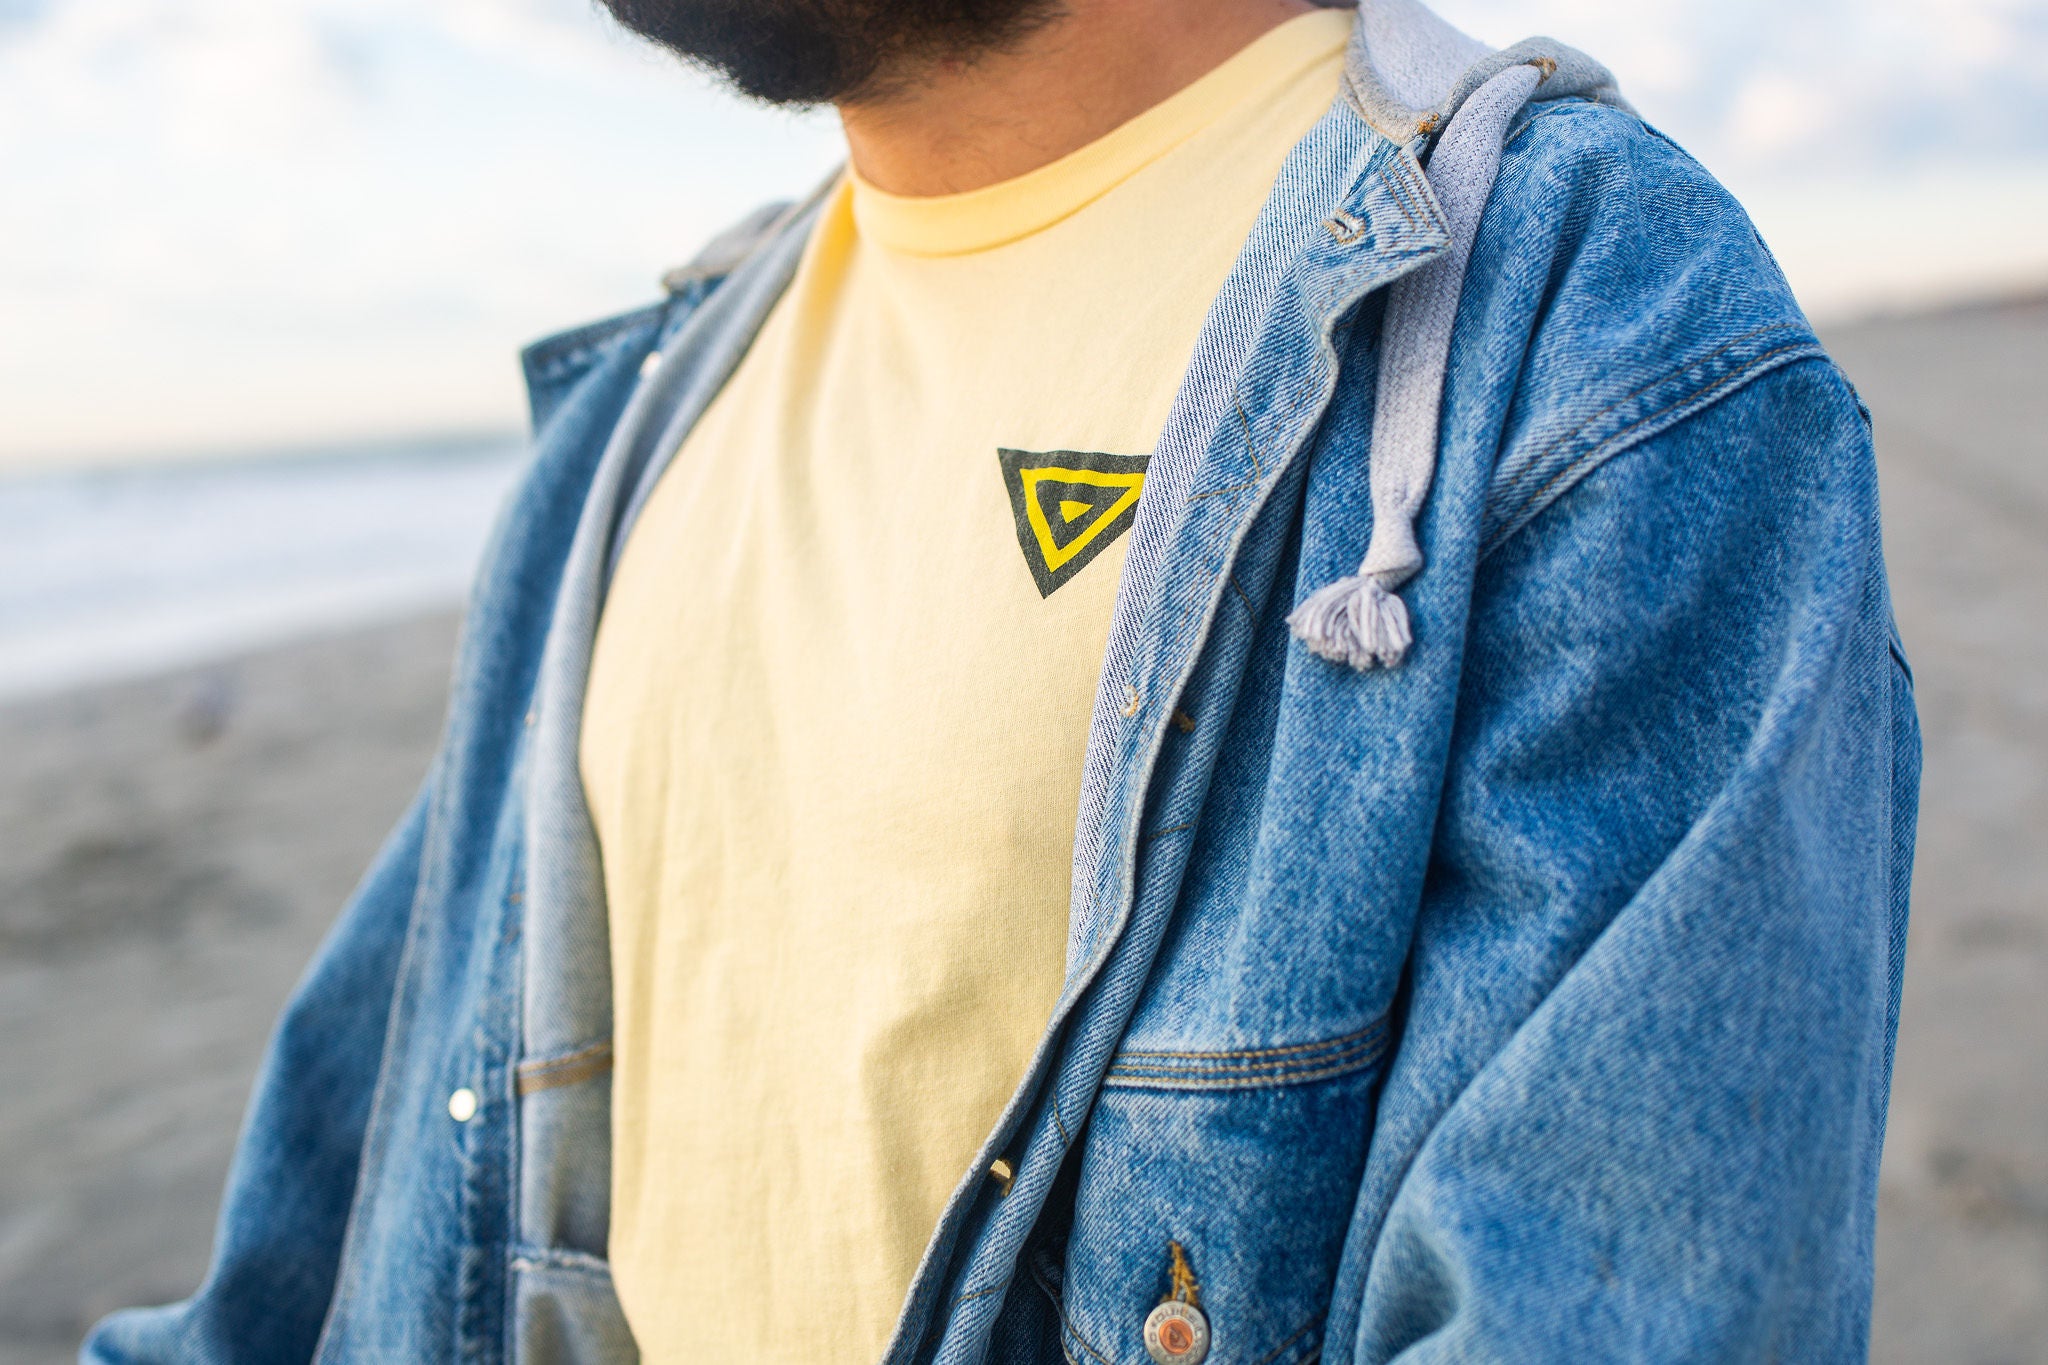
point(1621, 426)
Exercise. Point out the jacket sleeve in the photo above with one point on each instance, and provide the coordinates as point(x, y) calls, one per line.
point(279, 1236)
point(1639, 1100)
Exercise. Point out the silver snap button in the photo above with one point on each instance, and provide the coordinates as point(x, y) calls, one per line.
point(1176, 1333)
point(462, 1105)
point(648, 364)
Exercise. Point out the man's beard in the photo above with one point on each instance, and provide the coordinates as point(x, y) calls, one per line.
point(818, 51)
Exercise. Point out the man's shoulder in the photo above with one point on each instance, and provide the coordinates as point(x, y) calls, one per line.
point(1621, 221)
point(556, 362)
point(1626, 291)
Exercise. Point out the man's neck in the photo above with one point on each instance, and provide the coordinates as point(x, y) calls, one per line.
point(960, 125)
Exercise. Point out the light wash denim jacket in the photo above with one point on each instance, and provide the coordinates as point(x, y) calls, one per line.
point(1532, 1000)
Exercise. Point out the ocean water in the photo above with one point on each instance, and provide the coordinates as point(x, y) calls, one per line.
point(120, 572)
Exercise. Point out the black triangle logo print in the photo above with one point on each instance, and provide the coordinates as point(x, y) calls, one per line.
point(1070, 506)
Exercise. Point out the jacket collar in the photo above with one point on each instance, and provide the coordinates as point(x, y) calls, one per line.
point(1407, 72)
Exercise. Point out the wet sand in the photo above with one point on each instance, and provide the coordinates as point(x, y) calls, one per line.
point(172, 850)
point(170, 853)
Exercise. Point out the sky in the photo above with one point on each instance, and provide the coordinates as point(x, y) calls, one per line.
point(243, 224)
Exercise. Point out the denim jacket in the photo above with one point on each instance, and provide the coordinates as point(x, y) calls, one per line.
point(1531, 1000)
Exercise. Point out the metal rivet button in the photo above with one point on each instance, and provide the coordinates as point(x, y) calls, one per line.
point(1176, 1333)
point(647, 365)
point(462, 1105)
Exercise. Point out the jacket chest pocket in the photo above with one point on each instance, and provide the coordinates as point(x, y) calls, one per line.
point(1212, 1200)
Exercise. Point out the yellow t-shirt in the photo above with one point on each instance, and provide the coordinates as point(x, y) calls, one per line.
point(841, 693)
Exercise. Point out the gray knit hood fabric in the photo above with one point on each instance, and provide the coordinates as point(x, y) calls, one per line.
point(1423, 84)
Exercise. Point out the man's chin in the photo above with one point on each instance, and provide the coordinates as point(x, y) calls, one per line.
point(808, 52)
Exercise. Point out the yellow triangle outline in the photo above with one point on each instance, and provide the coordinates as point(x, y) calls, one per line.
point(1132, 484)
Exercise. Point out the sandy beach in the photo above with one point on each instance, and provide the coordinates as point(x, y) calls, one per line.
point(172, 849)
point(1961, 412)
point(172, 852)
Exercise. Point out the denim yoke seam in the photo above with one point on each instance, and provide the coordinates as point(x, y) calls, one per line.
point(1632, 435)
point(1643, 429)
point(1564, 439)
point(1249, 1079)
point(1251, 1068)
point(1376, 1026)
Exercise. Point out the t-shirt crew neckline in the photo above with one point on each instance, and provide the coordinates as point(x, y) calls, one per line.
point(978, 220)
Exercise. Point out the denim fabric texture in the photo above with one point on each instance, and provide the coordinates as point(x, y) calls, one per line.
point(1533, 1000)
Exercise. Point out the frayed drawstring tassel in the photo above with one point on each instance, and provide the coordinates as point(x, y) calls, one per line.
point(1354, 621)
point(1361, 621)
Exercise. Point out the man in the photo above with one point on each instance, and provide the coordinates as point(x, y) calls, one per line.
point(1234, 702)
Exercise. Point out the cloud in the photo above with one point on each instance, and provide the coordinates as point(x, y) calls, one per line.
point(241, 220)
point(17, 13)
point(270, 218)
point(1762, 87)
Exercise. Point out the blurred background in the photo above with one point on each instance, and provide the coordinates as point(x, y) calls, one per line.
point(264, 267)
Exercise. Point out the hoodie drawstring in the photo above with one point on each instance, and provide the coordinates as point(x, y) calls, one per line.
point(1360, 620)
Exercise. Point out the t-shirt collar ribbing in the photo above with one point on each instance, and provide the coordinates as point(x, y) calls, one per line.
point(977, 220)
